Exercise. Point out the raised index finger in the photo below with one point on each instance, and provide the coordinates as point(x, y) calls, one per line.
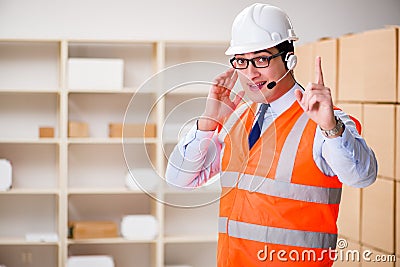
point(319, 77)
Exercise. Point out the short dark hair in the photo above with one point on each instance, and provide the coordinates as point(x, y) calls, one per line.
point(287, 47)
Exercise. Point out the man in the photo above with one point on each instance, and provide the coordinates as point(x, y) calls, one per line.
point(282, 159)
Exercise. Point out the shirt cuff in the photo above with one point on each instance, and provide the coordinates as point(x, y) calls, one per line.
point(198, 135)
point(345, 141)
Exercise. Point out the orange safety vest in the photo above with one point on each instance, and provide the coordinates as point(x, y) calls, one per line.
point(276, 208)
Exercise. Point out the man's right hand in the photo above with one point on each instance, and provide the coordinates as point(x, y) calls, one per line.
point(219, 104)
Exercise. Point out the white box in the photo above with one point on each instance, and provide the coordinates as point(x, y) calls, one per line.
point(41, 237)
point(95, 73)
point(139, 227)
point(5, 175)
point(86, 261)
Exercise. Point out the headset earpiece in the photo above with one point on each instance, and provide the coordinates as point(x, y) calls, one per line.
point(291, 60)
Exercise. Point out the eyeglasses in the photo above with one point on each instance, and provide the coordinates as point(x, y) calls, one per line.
point(258, 62)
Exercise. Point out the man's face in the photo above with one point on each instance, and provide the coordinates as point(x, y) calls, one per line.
point(254, 80)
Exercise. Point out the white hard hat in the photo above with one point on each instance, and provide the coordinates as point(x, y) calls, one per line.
point(258, 27)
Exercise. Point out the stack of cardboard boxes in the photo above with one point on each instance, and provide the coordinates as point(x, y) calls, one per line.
point(363, 72)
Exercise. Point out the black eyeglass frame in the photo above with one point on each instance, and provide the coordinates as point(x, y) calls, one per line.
point(268, 58)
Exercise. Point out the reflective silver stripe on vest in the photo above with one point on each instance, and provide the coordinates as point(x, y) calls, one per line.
point(222, 225)
point(229, 179)
point(275, 235)
point(281, 189)
point(287, 157)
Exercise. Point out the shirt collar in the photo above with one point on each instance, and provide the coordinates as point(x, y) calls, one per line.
point(281, 104)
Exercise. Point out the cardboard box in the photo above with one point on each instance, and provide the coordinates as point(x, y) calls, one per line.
point(377, 227)
point(92, 229)
point(367, 78)
point(78, 129)
point(46, 132)
point(350, 85)
point(327, 49)
point(380, 71)
point(349, 213)
point(397, 171)
point(132, 130)
point(379, 132)
point(95, 73)
point(304, 70)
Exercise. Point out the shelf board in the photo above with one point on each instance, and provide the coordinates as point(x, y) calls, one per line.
point(116, 240)
point(116, 140)
point(30, 191)
point(31, 40)
point(111, 41)
point(126, 90)
point(191, 42)
point(147, 140)
point(30, 140)
point(101, 191)
point(170, 141)
point(29, 91)
point(191, 239)
point(185, 92)
point(23, 241)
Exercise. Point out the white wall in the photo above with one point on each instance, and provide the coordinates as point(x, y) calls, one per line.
point(183, 19)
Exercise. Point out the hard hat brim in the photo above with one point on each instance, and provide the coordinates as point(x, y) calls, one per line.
point(248, 48)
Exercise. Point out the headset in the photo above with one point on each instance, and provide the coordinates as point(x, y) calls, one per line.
point(291, 62)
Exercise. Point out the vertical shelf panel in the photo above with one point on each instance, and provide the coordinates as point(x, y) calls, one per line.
point(29, 65)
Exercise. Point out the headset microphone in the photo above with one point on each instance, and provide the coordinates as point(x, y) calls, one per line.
point(291, 62)
point(273, 83)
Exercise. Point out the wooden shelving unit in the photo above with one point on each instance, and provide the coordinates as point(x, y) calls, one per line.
point(60, 179)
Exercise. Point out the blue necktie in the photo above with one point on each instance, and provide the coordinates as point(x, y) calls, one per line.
point(256, 130)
